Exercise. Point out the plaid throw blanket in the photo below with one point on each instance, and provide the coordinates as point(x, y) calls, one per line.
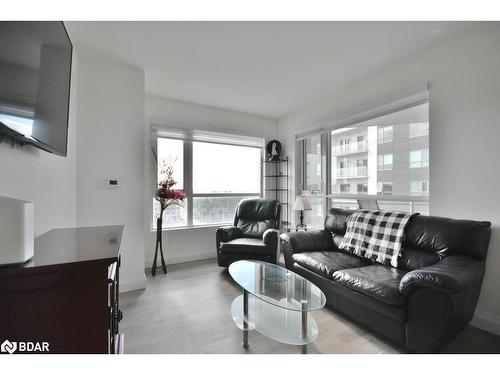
point(376, 235)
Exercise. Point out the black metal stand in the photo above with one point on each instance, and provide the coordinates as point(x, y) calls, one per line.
point(159, 244)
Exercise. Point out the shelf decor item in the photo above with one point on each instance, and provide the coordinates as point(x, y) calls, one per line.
point(167, 196)
point(301, 204)
point(273, 149)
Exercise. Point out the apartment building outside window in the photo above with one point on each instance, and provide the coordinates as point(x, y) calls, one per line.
point(419, 158)
point(385, 134)
point(385, 162)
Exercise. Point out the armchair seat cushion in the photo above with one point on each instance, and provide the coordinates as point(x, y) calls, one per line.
point(376, 281)
point(245, 246)
point(326, 263)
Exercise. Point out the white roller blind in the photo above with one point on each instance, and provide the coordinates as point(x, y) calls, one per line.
point(177, 132)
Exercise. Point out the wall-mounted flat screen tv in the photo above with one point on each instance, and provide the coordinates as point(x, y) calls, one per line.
point(35, 76)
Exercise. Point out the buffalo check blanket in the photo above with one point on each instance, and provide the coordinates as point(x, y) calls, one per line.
point(376, 235)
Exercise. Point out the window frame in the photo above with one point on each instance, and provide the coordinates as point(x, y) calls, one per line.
point(188, 178)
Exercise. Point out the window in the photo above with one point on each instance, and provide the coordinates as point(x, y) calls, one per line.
point(345, 188)
point(171, 152)
point(419, 158)
point(212, 180)
point(384, 134)
point(385, 162)
point(213, 191)
point(313, 175)
point(384, 188)
point(418, 129)
point(362, 188)
point(419, 188)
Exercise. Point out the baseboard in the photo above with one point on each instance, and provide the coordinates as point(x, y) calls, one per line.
point(486, 321)
point(186, 257)
point(133, 284)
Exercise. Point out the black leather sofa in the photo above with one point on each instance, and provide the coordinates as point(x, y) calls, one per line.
point(421, 304)
point(254, 234)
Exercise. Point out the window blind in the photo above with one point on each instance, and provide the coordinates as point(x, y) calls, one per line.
point(184, 133)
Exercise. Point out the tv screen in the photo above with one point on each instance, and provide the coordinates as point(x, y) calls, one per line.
point(35, 75)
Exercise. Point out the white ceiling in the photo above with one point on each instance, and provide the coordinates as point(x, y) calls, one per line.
point(266, 68)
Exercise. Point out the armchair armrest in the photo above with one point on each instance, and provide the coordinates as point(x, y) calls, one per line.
point(270, 236)
point(453, 274)
point(271, 239)
point(225, 234)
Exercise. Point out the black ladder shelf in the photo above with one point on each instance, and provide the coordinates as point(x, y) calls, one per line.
point(275, 186)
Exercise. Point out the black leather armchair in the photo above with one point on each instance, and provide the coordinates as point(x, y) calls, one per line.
point(254, 235)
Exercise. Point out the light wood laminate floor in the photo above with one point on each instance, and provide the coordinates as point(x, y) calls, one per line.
point(188, 311)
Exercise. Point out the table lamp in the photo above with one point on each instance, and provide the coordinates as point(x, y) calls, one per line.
point(301, 204)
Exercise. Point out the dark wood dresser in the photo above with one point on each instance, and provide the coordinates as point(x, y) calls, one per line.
point(67, 294)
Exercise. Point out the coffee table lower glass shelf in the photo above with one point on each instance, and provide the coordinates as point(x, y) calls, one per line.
point(275, 302)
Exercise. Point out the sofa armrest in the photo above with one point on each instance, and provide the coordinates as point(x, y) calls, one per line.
point(299, 242)
point(453, 274)
point(314, 240)
point(226, 234)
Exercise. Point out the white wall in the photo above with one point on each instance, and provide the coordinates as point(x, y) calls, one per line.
point(43, 178)
point(464, 133)
point(183, 245)
point(111, 145)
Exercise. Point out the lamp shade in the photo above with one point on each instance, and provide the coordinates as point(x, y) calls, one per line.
point(301, 204)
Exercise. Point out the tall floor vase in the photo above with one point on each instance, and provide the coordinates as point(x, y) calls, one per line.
point(159, 244)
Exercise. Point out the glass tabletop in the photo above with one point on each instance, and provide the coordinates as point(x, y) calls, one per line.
point(277, 285)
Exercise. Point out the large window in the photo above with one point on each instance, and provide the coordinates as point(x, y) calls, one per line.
point(215, 171)
point(386, 157)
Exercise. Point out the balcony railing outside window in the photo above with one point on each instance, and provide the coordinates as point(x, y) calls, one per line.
point(352, 172)
point(350, 148)
point(404, 204)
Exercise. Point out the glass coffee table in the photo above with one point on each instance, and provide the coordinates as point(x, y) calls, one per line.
point(275, 302)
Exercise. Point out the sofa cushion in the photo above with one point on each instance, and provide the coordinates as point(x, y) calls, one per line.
point(376, 281)
point(412, 259)
point(325, 263)
point(245, 246)
point(448, 236)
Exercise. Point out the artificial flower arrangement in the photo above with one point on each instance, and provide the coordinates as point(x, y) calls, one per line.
point(165, 194)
